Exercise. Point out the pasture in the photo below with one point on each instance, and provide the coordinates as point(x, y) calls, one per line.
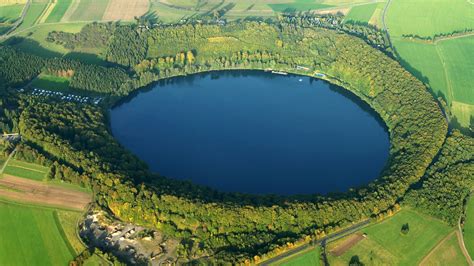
point(125, 10)
point(88, 10)
point(469, 227)
point(425, 18)
point(385, 244)
point(49, 82)
point(26, 170)
point(444, 65)
point(361, 13)
point(298, 5)
point(34, 12)
point(309, 256)
point(447, 252)
point(32, 236)
point(10, 13)
point(57, 13)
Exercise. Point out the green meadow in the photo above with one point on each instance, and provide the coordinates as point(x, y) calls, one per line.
point(385, 244)
point(448, 253)
point(361, 13)
point(89, 10)
point(427, 18)
point(306, 257)
point(469, 227)
point(444, 65)
point(58, 12)
point(298, 5)
point(32, 236)
point(26, 170)
point(49, 82)
point(10, 13)
point(32, 15)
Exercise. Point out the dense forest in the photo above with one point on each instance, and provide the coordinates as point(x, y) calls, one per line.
point(75, 142)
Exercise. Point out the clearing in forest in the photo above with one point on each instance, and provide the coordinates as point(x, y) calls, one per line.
point(125, 9)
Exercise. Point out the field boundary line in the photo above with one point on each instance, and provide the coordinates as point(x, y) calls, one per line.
point(26, 168)
point(436, 246)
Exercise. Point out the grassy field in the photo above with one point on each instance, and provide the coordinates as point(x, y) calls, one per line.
point(33, 13)
point(26, 170)
point(306, 257)
point(426, 18)
point(10, 13)
point(386, 245)
point(89, 10)
point(31, 236)
point(58, 12)
point(298, 5)
point(49, 82)
point(361, 13)
point(444, 65)
point(448, 253)
point(469, 227)
point(35, 39)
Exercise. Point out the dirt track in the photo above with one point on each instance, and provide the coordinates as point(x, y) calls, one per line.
point(25, 190)
point(347, 244)
point(125, 9)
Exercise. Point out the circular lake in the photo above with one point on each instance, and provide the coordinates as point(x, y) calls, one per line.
point(254, 132)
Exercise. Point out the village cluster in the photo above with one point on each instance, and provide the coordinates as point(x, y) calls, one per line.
point(64, 96)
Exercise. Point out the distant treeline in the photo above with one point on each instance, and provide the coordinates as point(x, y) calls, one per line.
point(226, 227)
point(438, 36)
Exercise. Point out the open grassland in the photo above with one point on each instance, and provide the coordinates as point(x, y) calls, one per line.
point(447, 252)
point(57, 13)
point(298, 5)
point(49, 82)
point(31, 236)
point(125, 9)
point(457, 55)
point(445, 65)
point(89, 10)
point(10, 13)
point(26, 170)
point(68, 221)
point(427, 18)
point(307, 257)
point(32, 15)
point(386, 245)
point(11, 2)
point(469, 227)
point(361, 13)
point(34, 40)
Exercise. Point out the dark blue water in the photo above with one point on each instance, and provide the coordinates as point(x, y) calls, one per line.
point(254, 132)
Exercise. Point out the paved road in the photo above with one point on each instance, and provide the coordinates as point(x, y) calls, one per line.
point(324, 240)
point(19, 21)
